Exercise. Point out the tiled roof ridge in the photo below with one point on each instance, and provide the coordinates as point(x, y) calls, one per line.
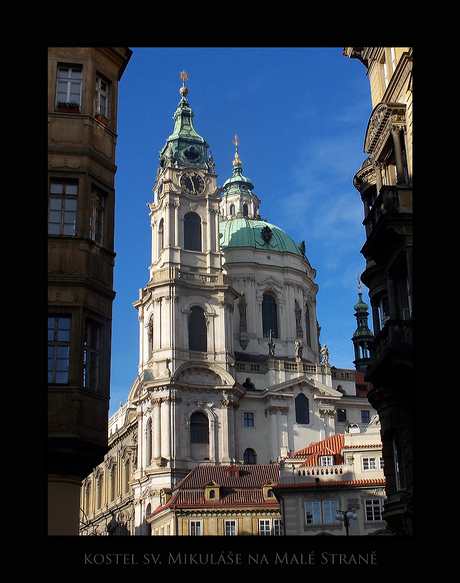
point(333, 442)
point(333, 483)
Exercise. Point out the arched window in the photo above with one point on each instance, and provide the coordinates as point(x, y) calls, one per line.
point(302, 413)
point(192, 232)
point(245, 210)
point(197, 330)
point(161, 240)
point(232, 210)
point(249, 456)
point(269, 316)
point(199, 432)
point(212, 494)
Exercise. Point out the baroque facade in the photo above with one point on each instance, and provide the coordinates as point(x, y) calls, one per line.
point(231, 370)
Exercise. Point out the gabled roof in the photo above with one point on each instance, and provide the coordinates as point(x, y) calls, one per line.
point(330, 446)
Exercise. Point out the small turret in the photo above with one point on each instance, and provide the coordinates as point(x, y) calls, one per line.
point(363, 336)
point(238, 200)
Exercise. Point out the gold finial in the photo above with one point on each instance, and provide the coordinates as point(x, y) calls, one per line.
point(359, 284)
point(183, 90)
point(237, 160)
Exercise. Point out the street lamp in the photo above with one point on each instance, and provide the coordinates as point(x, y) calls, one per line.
point(346, 516)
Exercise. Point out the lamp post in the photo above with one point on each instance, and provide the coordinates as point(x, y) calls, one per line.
point(346, 516)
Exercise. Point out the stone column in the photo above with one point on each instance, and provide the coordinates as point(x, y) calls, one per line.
point(396, 133)
point(156, 429)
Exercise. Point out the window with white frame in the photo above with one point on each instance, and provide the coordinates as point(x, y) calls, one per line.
point(326, 460)
point(230, 528)
point(196, 528)
point(321, 512)
point(369, 463)
point(102, 96)
point(69, 84)
point(373, 509)
point(270, 527)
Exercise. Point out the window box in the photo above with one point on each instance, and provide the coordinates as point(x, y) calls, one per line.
point(68, 107)
point(102, 119)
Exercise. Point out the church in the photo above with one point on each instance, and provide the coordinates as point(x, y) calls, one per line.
point(231, 368)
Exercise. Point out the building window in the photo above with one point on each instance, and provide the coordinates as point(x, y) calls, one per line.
point(96, 219)
point(230, 527)
point(249, 456)
point(313, 512)
point(199, 432)
point(365, 416)
point(321, 512)
point(102, 97)
point(91, 355)
point(160, 236)
point(269, 527)
point(373, 508)
point(58, 349)
point(302, 412)
point(248, 419)
point(69, 84)
point(341, 415)
point(326, 460)
point(192, 232)
point(63, 208)
point(369, 463)
point(195, 528)
point(197, 330)
point(329, 512)
point(269, 316)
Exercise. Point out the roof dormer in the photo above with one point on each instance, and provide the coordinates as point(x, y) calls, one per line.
point(212, 491)
point(268, 490)
point(233, 472)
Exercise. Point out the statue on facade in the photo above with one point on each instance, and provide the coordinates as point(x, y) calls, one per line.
point(324, 355)
point(298, 350)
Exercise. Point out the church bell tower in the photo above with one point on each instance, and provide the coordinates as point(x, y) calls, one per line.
point(186, 309)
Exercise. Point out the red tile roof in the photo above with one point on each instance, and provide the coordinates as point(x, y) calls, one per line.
point(245, 489)
point(330, 446)
point(250, 476)
point(333, 484)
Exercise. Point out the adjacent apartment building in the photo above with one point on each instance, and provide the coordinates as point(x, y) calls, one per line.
point(82, 126)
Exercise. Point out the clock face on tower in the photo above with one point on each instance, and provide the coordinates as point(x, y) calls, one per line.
point(192, 183)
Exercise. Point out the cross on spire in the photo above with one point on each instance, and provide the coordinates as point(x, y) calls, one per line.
point(236, 141)
point(183, 90)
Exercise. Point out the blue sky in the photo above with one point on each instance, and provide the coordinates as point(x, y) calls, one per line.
point(300, 115)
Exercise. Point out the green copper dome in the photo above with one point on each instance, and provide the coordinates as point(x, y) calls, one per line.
point(243, 232)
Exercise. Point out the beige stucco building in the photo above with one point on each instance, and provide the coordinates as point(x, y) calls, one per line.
point(328, 479)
